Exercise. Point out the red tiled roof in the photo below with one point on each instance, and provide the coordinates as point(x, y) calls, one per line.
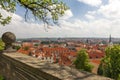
point(62, 53)
point(27, 44)
point(97, 61)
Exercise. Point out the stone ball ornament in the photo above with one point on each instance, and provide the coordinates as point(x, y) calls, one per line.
point(8, 38)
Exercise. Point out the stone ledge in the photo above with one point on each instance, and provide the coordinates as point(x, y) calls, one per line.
point(48, 71)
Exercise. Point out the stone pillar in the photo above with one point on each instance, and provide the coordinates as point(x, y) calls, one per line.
point(8, 38)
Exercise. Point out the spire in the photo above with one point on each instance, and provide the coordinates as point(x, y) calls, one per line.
point(110, 39)
point(87, 41)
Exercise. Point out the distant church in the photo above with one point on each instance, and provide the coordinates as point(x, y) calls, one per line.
point(110, 43)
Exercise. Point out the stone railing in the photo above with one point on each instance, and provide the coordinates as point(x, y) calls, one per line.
point(17, 66)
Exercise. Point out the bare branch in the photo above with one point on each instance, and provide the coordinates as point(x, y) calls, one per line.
point(26, 12)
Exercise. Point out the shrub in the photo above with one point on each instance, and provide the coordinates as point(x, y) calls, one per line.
point(82, 61)
point(110, 64)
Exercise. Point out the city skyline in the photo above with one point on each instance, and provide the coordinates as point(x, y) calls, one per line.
point(85, 18)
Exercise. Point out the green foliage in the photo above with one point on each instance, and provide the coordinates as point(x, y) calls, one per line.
point(45, 42)
point(45, 10)
point(1, 45)
point(9, 6)
point(16, 47)
point(1, 77)
point(36, 44)
point(104, 67)
point(110, 64)
point(26, 48)
point(4, 21)
point(82, 61)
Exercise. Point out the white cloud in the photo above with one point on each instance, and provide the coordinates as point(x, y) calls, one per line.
point(106, 19)
point(92, 2)
point(4, 13)
point(89, 17)
point(73, 28)
point(111, 10)
point(99, 23)
point(67, 15)
point(23, 29)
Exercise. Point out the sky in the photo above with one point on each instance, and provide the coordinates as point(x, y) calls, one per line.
point(85, 18)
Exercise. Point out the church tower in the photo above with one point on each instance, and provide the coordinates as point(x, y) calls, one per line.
point(110, 41)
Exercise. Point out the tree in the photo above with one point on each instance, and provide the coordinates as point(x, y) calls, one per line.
point(82, 61)
point(26, 48)
point(1, 45)
point(46, 10)
point(16, 47)
point(110, 64)
point(36, 44)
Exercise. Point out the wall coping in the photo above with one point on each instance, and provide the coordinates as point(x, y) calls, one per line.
point(61, 72)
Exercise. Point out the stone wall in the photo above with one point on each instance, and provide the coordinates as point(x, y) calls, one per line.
point(17, 66)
